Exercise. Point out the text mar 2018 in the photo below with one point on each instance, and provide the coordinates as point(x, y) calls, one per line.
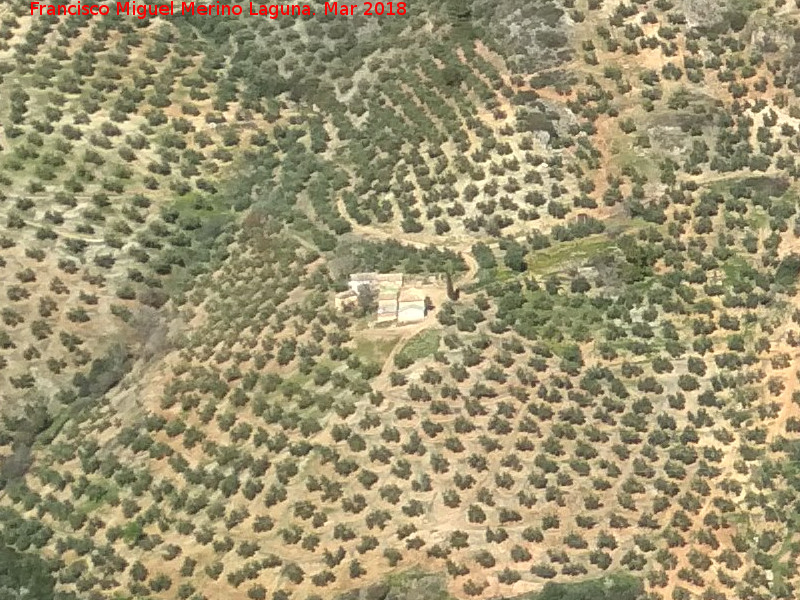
point(367, 9)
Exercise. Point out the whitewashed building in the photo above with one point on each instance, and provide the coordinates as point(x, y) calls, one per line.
point(410, 306)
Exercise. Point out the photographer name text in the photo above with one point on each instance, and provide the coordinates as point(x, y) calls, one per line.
point(166, 9)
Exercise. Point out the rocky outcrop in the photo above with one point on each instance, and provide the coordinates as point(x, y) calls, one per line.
point(535, 34)
point(409, 586)
point(420, 588)
point(705, 13)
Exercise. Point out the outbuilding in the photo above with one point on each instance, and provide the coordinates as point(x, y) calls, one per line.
point(411, 306)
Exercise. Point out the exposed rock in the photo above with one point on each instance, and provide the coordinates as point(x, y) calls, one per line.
point(407, 586)
point(535, 35)
point(704, 13)
point(425, 587)
point(379, 591)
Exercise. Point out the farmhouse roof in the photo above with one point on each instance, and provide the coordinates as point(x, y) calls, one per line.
point(412, 295)
point(376, 277)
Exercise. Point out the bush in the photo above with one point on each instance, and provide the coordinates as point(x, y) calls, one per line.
point(616, 587)
point(104, 373)
point(24, 571)
point(788, 271)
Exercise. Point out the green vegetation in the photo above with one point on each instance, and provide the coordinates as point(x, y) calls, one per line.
point(375, 350)
point(576, 251)
point(788, 271)
point(605, 192)
point(415, 583)
point(420, 346)
point(24, 571)
point(615, 587)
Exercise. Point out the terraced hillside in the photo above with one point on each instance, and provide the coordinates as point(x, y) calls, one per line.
point(604, 395)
